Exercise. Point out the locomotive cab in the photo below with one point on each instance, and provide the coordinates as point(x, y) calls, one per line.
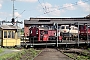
point(34, 31)
point(64, 31)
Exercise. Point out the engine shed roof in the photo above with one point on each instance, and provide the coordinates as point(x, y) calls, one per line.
point(56, 20)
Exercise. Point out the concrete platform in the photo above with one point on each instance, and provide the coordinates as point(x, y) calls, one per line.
point(52, 54)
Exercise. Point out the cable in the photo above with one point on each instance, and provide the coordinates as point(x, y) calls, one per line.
point(76, 3)
point(40, 4)
point(44, 8)
point(20, 14)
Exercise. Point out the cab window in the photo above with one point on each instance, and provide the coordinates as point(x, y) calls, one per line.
point(89, 27)
point(82, 27)
point(67, 27)
point(63, 27)
point(46, 32)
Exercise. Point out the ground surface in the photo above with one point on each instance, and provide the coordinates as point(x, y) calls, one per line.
point(52, 54)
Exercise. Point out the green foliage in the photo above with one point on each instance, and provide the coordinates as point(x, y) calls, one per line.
point(5, 56)
point(89, 49)
point(85, 52)
point(26, 53)
point(77, 57)
point(22, 31)
point(82, 58)
point(1, 50)
point(34, 52)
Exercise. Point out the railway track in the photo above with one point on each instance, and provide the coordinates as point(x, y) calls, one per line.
point(51, 54)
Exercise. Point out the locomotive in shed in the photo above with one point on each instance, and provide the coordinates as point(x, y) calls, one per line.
point(69, 31)
point(43, 34)
point(84, 32)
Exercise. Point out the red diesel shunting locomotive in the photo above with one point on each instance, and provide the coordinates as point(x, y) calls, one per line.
point(84, 31)
point(43, 34)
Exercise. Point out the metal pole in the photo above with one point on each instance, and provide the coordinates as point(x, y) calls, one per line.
point(66, 42)
point(69, 34)
point(57, 34)
point(17, 32)
point(46, 43)
point(78, 34)
point(33, 40)
point(87, 36)
point(13, 7)
point(6, 42)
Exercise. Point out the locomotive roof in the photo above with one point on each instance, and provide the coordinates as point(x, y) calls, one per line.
point(56, 20)
point(9, 27)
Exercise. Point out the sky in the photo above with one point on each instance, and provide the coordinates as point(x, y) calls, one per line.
point(25, 9)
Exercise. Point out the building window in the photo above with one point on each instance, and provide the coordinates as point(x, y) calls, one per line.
point(5, 34)
point(18, 33)
point(13, 34)
point(0, 34)
point(9, 34)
